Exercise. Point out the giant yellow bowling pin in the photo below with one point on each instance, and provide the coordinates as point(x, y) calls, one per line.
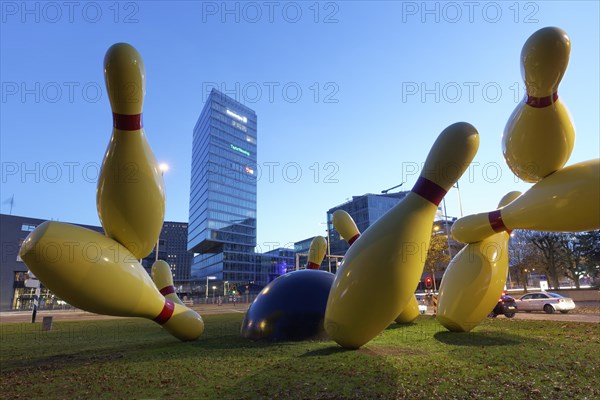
point(346, 227)
point(381, 270)
point(409, 313)
point(163, 279)
point(474, 280)
point(539, 135)
point(566, 201)
point(130, 197)
point(97, 274)
point(316, 252)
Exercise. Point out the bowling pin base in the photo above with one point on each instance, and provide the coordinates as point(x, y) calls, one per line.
point(185, 324)
point(343, 335)
point(410, 313)
point(454, 326)
point(473, 283)
point(474, 280)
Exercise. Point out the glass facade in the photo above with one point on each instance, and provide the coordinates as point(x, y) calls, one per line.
point(365, 210)
point(274, 263)
point(222, 224)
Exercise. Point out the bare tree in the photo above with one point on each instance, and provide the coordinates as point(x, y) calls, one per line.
point(571, 253)
point(590, 241)
point(524, 257)
point(580, 255)
point(549, 245)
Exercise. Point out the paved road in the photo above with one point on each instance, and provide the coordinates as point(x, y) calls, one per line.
point(78, 315)
point(570, 317)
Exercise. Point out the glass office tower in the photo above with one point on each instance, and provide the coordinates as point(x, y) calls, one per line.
point(222, 224)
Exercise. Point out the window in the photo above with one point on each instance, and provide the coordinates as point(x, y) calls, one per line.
point(28, 228)
point(21, 276)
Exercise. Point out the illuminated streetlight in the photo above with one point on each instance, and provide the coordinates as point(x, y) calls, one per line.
point(213, 288)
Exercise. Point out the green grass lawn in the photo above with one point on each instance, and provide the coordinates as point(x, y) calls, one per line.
point(135, 359)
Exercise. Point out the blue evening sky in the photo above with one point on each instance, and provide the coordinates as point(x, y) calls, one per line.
point(349, 95)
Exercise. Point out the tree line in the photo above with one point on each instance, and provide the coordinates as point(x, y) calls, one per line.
point(553, 254)
point(556, 255)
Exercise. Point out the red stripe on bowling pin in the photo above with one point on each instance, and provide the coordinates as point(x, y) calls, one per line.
point(353, 239)
point(166, 312)
point(167, 290)
point(496, 222)
point(127, 122)
point(429, 190)
point(541, 102)
point(312, 265)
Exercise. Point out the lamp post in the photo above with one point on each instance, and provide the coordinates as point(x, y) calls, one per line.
point(459, 199)
point(213, 288)
point(436, 228)
point(163, 167)
point(393, 187)
point(448, 228)
point(212, 278)
point(509, 278)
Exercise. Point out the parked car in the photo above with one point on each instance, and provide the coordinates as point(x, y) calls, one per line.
point(545, 301)
point(506, 306)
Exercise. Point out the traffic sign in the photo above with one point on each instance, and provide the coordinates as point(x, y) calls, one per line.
point(32, 283)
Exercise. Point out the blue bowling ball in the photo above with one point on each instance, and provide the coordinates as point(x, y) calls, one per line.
point(291, 307)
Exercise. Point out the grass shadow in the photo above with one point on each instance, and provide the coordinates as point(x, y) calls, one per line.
point(230, 342)
point(343, 374)
point(327, 351)
point(73, 359)
point(407, 325)
point(478, 339)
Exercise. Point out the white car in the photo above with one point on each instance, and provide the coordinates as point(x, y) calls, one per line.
point(421, 304)
point(545, 301)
